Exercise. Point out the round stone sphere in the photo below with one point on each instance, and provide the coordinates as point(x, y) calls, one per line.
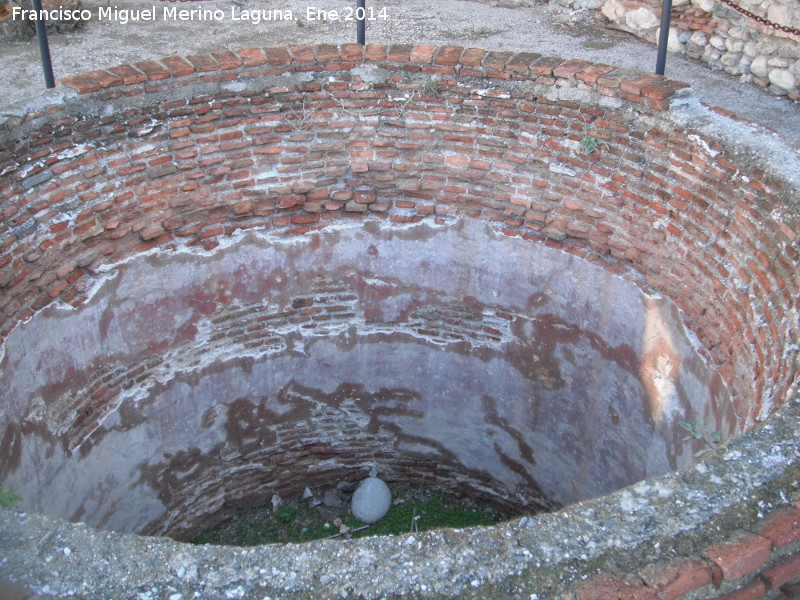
point(371, 501)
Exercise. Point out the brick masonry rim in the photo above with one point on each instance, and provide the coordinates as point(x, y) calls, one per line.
point(657, 95)
point(281, 57)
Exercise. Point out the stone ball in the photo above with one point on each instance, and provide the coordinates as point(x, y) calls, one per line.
point(371, 501)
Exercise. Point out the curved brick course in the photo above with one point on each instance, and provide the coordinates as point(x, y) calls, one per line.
point(189, 153)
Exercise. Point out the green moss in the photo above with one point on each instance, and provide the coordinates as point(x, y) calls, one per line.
point(431, 87)
point(435, 513)
point(301, 523)
point(8, 499)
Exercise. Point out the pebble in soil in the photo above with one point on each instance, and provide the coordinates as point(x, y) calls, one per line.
point(304, 520)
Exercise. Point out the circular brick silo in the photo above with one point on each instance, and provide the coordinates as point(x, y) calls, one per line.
point(510, 276)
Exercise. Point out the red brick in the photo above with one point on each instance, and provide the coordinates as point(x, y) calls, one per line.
point(151, 232)
point(448, 56)
point(177, 66)
point(399, 52)
point(472, 57)
point(496, 60)
point(252, 57)
point(154, 70)
point(457, 161)
point(634, 85)
point(212, 232)
point(203, 63)
point(56, 289)
point(570, 68)
point(783, 528)
point(631, 97)
point(740, 558)
point(243, 207)
point(784, 572)
point(375, 52)
point(545, 65)
point(172, 223)
point(661, 90)
point(591, 73)
point(521, 62)
point(227, 60)
point(423, 54)
point(82, 84)
point(481, 165)
point(327, 53)
point(365, 197)
point(278, 56)
point(614, 78)
point(753, 591)
point(129, 74)
point(676, 579)
point(106, 79)
point(605, 587)
point(302, 53)
point(352, 52)
point(304, 219)
point(723, 111)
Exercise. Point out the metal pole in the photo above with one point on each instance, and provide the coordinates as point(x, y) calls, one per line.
point(663, 37)
point(361, 22)
point(44, 47)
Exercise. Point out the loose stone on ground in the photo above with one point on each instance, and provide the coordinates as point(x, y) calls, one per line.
point(371, 500)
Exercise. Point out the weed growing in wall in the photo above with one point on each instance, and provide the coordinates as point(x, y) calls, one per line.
point(8, 499)
point(589, 144)
point(700, 431)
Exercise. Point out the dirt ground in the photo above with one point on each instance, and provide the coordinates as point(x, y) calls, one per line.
point(508, 25)
point(326, 514)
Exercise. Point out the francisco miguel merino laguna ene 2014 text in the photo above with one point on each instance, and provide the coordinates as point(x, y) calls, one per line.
point(173, 13)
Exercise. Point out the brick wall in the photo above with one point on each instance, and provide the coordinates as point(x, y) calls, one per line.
point(179, 157)
point(758, 565)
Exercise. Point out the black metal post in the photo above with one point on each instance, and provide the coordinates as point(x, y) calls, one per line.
point(663, 37)
point(361, 22)
point(44, 47)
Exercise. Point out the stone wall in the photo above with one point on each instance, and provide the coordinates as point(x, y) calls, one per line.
point(723, 37)
point(614, 168)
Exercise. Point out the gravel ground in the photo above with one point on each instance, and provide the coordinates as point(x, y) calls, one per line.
point(542, 28)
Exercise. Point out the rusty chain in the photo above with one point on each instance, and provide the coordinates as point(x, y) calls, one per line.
point(762, 20)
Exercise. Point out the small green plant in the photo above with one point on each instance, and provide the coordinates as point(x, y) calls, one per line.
point(432, 86)
point(697, 431)
point(288, 514)
point(589, 144)
point(414, 516)
point(300, 23)
point(8, 499)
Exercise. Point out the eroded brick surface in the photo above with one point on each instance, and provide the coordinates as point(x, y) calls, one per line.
point(783, 528)
point(738, 559)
